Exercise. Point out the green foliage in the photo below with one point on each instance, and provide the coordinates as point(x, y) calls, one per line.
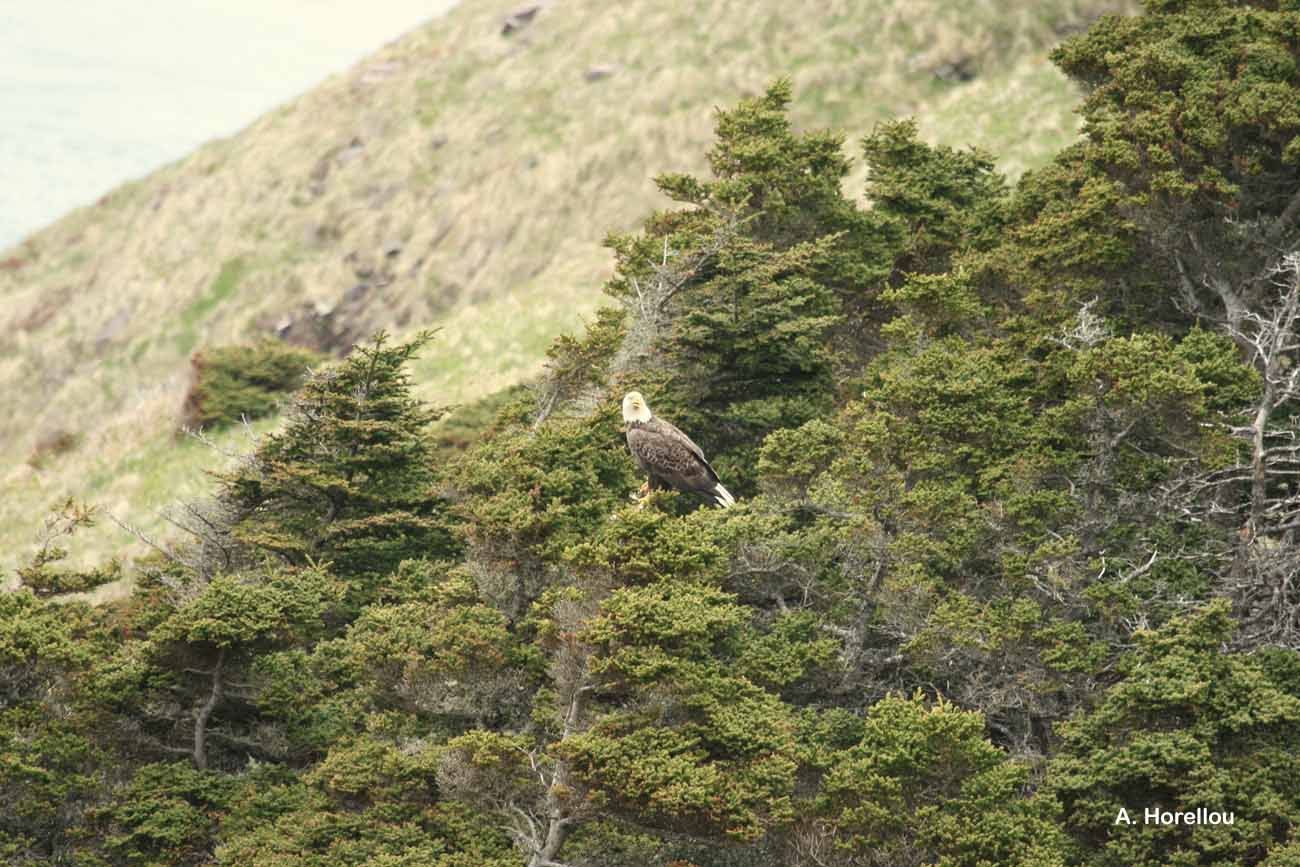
point(1228, 384)
point(749, 346)
point(943, 200)
point(448, 657)
point(954, 407)
point(923, 786)
point(229, 383)
point(529, 494)
point(463, 426)
point(51, 767)
point(744, 297)
point(309, 695)
point(934, 305)
point(792, 457)
point(167, 816)
point(349, 479)
point(1068, 240)
point(648, 633)
point(787, 186)
point(186, 679)
point(573, 363)
point(49, 770)
point(1192, 115)
point(713, 746)
point(1188, 726)
point(246, 611)
point(42, 574)
point(371, 803)
point(641, 545)
point(39, 641)
point(1197, 106)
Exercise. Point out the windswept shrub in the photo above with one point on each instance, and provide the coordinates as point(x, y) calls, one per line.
point(1189, 726)
point(50, 445)
point(229, 383)
point(922, 785)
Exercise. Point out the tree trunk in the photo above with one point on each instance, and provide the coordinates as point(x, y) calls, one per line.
point(1258, 461)
point(559, 821)
point(205, 713)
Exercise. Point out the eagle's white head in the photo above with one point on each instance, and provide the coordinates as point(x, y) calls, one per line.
point(635, 408)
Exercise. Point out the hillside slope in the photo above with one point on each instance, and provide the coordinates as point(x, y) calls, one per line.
point(460, 177)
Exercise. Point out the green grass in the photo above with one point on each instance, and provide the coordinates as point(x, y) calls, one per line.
point(159, 472)
point(222, 288)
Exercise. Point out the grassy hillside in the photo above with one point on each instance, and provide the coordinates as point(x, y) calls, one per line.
point(459, 177)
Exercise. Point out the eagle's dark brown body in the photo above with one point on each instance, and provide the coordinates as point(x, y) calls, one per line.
point(668, 457)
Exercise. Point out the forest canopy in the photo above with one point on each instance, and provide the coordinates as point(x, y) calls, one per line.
point(1015, 546)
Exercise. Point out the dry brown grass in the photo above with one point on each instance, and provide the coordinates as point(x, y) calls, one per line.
point(499, 169)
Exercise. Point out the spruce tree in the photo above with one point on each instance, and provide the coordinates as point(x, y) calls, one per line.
point(350, 478)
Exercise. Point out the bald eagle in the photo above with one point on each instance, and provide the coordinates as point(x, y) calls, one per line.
point(667, 455)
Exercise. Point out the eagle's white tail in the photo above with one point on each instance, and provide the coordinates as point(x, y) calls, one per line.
point(725, 500)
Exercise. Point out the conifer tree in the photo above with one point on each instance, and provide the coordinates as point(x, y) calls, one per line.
point(744, 303)
point(350, 478)
point(44, 575)
point(1192, 115)
point(51, 768)
point(1187, 727)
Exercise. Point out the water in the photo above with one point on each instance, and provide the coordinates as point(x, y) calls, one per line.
point(97, 92)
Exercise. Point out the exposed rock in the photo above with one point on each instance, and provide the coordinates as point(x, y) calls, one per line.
point(328, 326)
point(320, 234)
point(392, 247)
point(519, 19)
point(957, 71)
point(20, 473)
point(321, 170)
point(377, 72)
point(113, 328)
point(443, 296)
point(438, 142)
point(379, 195)
point(351, 152)
point(604, 70)
point(159, 197)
